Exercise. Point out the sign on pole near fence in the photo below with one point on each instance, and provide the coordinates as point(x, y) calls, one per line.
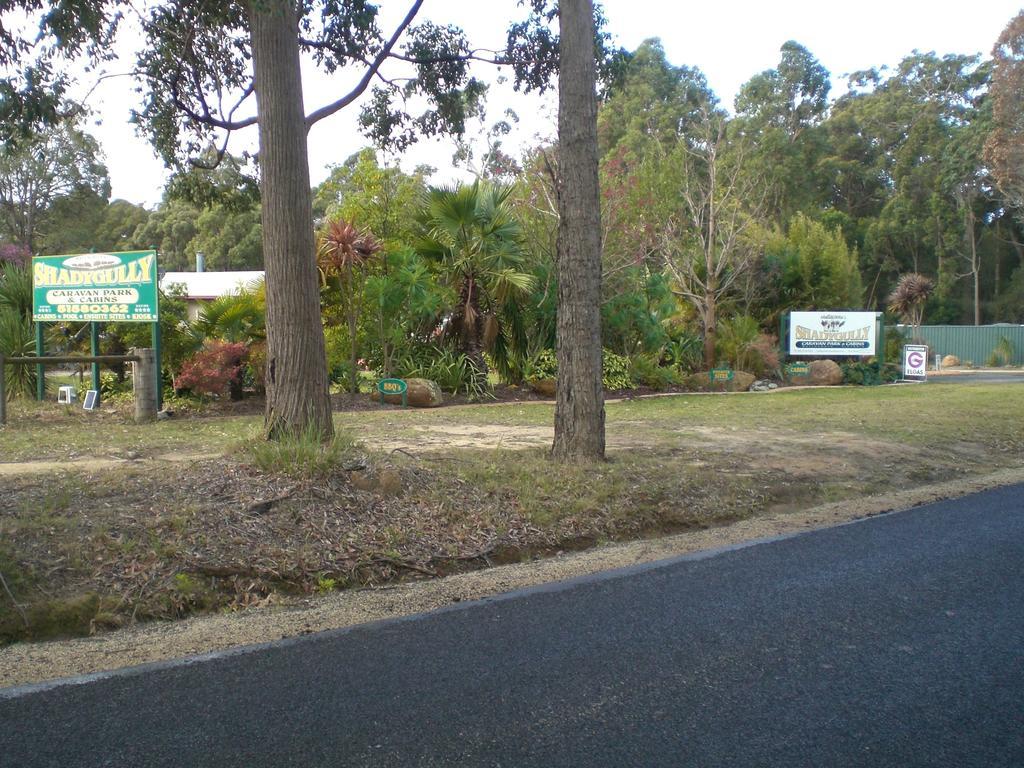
point(915, 361)
point(831, 334)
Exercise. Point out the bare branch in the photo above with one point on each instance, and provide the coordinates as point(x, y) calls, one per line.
point(364, 82)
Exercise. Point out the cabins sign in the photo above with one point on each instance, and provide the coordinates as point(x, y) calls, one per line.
point(95, 287)
point(828, 334)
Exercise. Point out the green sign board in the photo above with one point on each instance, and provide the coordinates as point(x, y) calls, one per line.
point(798, 369)
point(720, 374)
point(95, 287)
point(392, 387)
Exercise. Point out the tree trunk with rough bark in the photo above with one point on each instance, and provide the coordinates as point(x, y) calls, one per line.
point(298, 399)
point(579, 408)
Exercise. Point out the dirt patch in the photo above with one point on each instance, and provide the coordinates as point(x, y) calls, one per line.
point(23, 664)
point(95, 464)
point(485, 436)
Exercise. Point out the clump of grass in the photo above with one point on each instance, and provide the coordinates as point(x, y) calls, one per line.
point(303, 454)
point(647, 490)
point(1002, 355)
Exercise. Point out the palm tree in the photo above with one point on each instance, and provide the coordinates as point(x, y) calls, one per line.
point(344, 254)
point(471, 234)
point(908, 299)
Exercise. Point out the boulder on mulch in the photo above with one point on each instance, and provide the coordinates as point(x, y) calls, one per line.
point(950, 361)
point(824, 373)
point(544, 387)
point(421, 393)
point(701, 382)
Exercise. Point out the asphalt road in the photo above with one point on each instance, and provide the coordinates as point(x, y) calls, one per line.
point(978, 377)
point(897, 641)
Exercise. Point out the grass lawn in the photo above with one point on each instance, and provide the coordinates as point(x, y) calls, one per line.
point(129, 530)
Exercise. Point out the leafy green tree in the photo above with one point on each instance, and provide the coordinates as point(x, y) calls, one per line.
point(652, 101)
point(403, 302)
point(1004, 147)
point(230, 240)
point(817, 270)
point(56, 163)
point(85, 222)
point(782, 111)
point(171, 229)
point(379, 198)
point(473, 238)
point(899, 127)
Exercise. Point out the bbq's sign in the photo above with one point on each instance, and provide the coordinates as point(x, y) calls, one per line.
point(827, 334)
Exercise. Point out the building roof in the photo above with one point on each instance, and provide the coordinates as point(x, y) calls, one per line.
point(210, 285)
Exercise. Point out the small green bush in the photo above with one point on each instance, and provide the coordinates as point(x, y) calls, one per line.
point(870, 374)
point(684, 352)
point(543, 365)
point(303, 454)
point(615, 369)
point(453, 371)
point(1001, 355)
point(645, 370)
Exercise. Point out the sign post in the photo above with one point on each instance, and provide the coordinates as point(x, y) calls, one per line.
point(915, 362)
point(393, 387)
point(94, 288)
point(834, 334)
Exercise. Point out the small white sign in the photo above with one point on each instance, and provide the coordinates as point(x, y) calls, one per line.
point(915, 361)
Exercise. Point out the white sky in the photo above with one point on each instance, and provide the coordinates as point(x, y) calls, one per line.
point(729, 41)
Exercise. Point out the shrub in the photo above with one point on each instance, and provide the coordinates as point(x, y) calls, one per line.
point(255, 373)
point(1002, 354)
point(764, 356)
point(645, 370)
point(215, 370)
point(543, 365)
point(453, 371)
point(303, 454)
point(870, 374)
point(735, 335)
point(685, 352)
point(615, 369)
point(110, 387)
point(17, 338)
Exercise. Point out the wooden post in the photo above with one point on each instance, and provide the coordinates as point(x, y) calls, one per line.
point(145, 381)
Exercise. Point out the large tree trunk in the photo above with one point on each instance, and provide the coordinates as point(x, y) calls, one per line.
point(297, 386)
point(579, 408)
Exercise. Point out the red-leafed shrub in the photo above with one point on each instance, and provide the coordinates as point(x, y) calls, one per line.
point(214, 370)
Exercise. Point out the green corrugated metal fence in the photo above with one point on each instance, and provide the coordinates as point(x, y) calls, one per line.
point(971, 343)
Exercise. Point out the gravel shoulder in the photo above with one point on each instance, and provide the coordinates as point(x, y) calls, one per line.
point(23, 664)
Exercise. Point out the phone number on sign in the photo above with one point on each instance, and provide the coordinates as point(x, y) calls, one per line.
point(93, 309)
